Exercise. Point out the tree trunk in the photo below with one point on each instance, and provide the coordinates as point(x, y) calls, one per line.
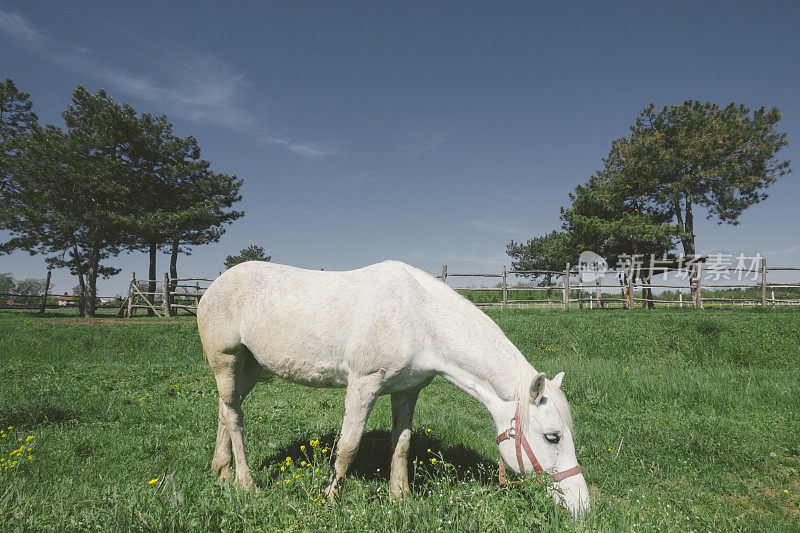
point(94, 262)
point(688, 238)
point(151, 287)
point(647, 293)
point(688, 242)
point(81, 281)
point(173, 267)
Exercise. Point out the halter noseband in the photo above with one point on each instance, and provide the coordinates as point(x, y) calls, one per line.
point(521, 443)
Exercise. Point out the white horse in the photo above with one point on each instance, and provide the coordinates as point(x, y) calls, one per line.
point(388, 328)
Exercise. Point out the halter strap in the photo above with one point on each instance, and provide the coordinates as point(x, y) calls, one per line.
point(520, 444)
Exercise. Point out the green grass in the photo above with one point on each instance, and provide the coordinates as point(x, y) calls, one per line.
point(676, 414)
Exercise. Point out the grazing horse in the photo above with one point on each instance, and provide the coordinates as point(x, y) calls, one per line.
point(387, 328)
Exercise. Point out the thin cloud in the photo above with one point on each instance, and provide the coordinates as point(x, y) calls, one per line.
point(493, 224)
point(199, 88)
point(789, 250)
point(16, 27)
point(310, 151)
point(359, 178)
point(418, 146)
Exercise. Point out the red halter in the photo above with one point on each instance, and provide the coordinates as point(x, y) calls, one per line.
point(521, 443)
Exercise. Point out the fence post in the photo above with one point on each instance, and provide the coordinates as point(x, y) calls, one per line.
point(699, 303)
point(565, 296)
point(505, 288)
point(165, 296)
point(130, 294)
point(680, 298)
point(630, 283)
point(46, 290)
point(599, 292)
point(444, 273)
point(764, 281)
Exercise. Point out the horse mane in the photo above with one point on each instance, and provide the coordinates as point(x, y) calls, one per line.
point(525, 373)
point(559, 400)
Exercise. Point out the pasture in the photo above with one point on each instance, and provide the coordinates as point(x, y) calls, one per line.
point(684, 420)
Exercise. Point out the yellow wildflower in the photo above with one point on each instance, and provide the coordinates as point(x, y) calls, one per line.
point(302, 448)
point(152, 481)
point(433, 460)
point(302, 463)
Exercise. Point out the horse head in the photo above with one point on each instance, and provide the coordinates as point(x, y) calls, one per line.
point(539, 439)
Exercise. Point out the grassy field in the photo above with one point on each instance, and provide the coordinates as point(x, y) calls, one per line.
point(685, 420)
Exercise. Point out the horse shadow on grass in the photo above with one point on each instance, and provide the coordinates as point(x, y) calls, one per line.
point(372, 462)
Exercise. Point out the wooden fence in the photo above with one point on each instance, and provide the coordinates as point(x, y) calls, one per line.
point(169, 297)
point(174, 295)
point(575, 294)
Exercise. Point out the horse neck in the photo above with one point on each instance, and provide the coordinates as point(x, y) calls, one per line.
point(486, 365)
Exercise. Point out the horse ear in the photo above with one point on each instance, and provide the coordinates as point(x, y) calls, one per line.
point(556, 381)
point(537, 385)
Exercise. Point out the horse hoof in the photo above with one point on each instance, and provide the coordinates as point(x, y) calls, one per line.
point(332, 492)
point(224, 473)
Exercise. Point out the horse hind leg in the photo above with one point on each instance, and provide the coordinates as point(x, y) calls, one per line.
point(403, 404)
point(236, 372)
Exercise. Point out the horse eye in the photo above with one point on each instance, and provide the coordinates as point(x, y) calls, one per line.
point(552, 438)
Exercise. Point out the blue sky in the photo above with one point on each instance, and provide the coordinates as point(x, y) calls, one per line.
point(427, 132)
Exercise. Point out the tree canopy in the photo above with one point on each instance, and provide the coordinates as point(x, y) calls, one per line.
point(112, 180)
point(641, 202)
point(720, 158)
point(16, 121)
point(251, 253)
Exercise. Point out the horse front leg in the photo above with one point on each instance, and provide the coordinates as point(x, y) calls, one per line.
point(362, 391)
point(403, 404)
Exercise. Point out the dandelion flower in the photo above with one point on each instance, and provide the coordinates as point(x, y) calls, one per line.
point(152, 481)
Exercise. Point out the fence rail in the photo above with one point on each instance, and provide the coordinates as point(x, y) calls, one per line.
point(171, 295)
point(631, 290)
point(164, 301)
